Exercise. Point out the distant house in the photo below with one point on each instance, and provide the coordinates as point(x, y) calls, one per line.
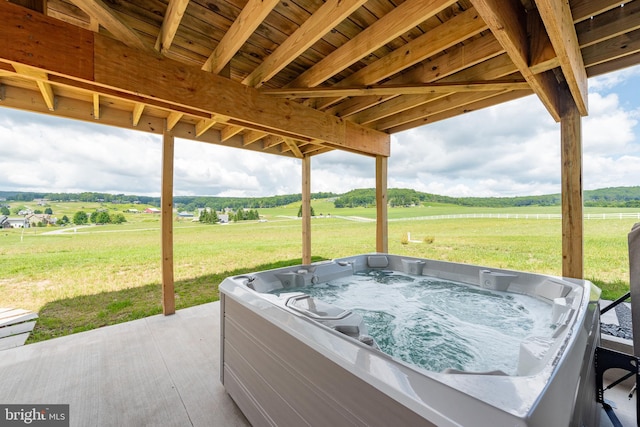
point(185, 215)
point(6, 222)
point(44, 219)
point(152, 211)
point(223, 218)
point(133, 210)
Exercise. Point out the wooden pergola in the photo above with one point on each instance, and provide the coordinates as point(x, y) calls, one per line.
point(300, 78)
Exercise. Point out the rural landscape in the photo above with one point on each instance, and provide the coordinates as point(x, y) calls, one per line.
point(100, 272)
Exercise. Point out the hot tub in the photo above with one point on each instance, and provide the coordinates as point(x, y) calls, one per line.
point(290, 357)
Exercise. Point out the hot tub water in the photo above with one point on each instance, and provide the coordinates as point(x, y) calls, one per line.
point(439, 324)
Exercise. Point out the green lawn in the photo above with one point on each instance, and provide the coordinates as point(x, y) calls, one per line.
point(99, 275)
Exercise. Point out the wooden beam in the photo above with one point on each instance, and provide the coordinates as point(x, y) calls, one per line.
point(41, 79)
point(294, 147)
point(204, 125)
point(138, 109)
point(327, 17)
point(229, 131)
point(395, 23)
point(251, 16)
point(388, 90)
point(131, 74)
point(31, 100)
point(306, 210)
point(426, 109)
point(108, 18)
point(507, 21)
point(458, 58)
point(382, 219)
point(572, 200)
point(96, 106)
point(170, 23)
point(456, 30)
point(252, 136)
point(168, 293)
point(558, 21)
point(460, 110)
point(172, 119)
point(272, 141)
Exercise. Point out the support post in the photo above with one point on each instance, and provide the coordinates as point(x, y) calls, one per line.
point(382, 224)
point(571, 161)
point(168, 295)
point(306, 210)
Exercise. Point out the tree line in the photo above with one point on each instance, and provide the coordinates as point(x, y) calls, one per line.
point(605, 197)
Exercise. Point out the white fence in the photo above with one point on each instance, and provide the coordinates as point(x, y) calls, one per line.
point(630, 215)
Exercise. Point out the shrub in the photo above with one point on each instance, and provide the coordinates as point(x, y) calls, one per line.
point(428, 239)
point(404, 239)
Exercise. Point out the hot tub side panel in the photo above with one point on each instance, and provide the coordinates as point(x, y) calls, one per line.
point(276, 379)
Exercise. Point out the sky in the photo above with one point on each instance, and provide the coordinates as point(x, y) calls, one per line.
point(509, 150)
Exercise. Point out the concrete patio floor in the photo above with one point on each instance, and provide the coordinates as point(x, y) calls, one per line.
point(160, 371)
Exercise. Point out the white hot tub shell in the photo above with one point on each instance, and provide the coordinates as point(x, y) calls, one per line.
point(287, 363)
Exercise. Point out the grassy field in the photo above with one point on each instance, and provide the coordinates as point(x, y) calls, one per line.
point(83, 278)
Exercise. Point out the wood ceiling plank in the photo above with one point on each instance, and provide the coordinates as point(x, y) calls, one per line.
point(608, 25)
point(585, 9)
point(450, 33)
point(507, 21)
point(242, 28)
point(320, 23)
point(102, 13)
point(614, 65)
point(557, 19)
point(612, 49)
point(402, 18)
point(172, 18)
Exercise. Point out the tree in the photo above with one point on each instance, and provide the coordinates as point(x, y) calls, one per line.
point(80, 218)
point(103, 218)
point(37, 211)
point(117, 218)
point(64, 220)
point(209, 216)
point(48, 211)
point(5, 211)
